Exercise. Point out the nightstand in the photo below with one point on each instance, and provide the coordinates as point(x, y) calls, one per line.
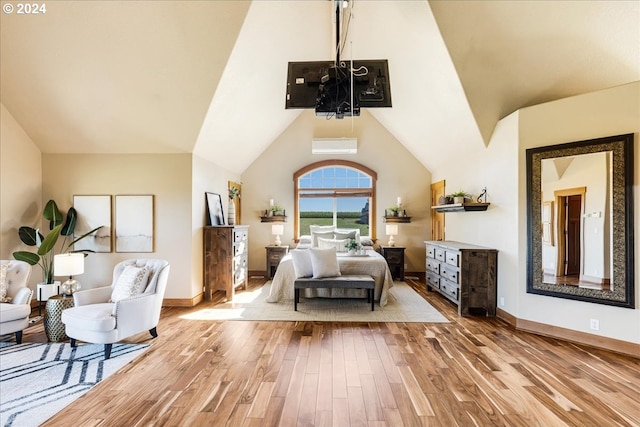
point(274, 256)
point(395, 259)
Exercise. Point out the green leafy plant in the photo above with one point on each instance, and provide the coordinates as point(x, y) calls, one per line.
point(58, 226)
point(234, 192)
point(276, 208)
point(351, 244)
point(460, 193)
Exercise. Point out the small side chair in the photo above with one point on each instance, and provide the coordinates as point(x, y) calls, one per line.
point(130, 305)
point(14, 313)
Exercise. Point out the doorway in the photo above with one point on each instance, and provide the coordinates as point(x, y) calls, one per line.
point(570, 203)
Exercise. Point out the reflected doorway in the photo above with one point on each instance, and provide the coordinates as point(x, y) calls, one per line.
point(570, 203)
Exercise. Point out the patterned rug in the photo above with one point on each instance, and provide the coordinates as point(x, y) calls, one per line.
point(404, 305)
point(37, 380)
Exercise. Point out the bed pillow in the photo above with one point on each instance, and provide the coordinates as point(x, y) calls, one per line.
point(314, 228)
point(132, 281)
point(338, 245)
point(301, 263)
point(366, 241)
point(324, 263)
point(348, 234)
point(316, 234)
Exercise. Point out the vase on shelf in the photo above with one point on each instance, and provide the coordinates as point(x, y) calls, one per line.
point(231, 212)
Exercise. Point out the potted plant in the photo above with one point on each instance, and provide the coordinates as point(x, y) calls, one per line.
point(43, 256)
point(459, 196)
point(234, 193)
point(351, 245)
point(393, 210)
point(277, 210)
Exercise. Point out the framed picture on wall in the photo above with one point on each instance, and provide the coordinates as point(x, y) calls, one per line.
point(93, 211)
point(214, 209)
point(134, 223)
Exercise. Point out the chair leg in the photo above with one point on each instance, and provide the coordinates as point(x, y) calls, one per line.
point(107, 351)
point(19, 337)
point(74, 342)
point(154, 332)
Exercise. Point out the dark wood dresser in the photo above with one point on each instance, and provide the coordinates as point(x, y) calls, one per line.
point(225, 259)
point(465, 274)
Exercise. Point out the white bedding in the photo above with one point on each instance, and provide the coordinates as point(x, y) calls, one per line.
point(374, 265)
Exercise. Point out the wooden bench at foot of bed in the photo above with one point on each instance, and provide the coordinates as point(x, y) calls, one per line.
point(348, 281)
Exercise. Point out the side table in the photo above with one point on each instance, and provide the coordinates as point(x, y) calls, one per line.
point(53, 326)
point(274, 256)
point(395, 259)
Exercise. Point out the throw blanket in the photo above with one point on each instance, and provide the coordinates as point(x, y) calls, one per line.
point(374, 265)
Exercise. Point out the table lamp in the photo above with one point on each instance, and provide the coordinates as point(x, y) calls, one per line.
point(277, 230)
point(392, 230)
point(69, 265)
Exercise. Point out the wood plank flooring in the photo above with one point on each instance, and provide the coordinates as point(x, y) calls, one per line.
point(470, 372)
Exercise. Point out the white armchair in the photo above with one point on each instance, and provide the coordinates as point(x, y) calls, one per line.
point(14, 314)
point(131, 305)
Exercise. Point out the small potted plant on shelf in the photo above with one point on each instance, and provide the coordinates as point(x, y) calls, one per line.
point(234, 193)
point(459, 196)
point(393, 211)
point(351, 245)
point(277, 210)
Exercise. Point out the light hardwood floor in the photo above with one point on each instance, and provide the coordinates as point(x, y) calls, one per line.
point(470, 372)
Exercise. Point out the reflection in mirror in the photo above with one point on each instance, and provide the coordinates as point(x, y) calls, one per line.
point(580, 220)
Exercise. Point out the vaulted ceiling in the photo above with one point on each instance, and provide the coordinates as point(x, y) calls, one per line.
point(209, 77)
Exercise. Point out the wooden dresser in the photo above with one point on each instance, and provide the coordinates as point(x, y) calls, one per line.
point(225, 259)
point(465, 274)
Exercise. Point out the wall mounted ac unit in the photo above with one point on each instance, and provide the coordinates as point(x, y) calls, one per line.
point(334, 146)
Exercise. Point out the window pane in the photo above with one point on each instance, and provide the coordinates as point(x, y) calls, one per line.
point(353, 212)
point(315, 211)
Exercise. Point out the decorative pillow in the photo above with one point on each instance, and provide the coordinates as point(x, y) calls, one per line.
point(338, 245)
point(323, 234)
point(132, 281)
point(4, 286)
point(348, 234)
point(366, 241)
point(305, 240)
point(324, 263)
point(301, 263)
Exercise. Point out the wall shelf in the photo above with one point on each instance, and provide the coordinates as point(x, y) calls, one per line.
point(274, 218)
point(461, 207)
point(397, 219)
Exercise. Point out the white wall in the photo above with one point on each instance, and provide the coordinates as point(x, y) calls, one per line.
point(207, 177)
point(608, 112)
point(20, 187)
point(166, 176)
point(399, 174)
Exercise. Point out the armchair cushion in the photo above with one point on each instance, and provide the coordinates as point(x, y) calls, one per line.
point(11, 312)
point(93, 317)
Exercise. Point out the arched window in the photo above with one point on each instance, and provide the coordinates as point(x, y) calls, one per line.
point(335, 192)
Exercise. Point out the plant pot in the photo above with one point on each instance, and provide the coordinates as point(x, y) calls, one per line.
point(458, 199)
point(352, 252)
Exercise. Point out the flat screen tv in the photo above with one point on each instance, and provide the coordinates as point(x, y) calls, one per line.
point(331, 89)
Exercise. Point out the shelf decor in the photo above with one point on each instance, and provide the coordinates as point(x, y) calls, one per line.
point(462, 207)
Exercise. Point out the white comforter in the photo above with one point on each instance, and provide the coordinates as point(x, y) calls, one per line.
point(374, 265)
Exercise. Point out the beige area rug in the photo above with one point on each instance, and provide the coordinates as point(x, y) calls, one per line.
point(405, 305)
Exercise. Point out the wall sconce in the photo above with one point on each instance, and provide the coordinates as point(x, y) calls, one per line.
point(69, 265)
point(277, 230)
point(392, 230)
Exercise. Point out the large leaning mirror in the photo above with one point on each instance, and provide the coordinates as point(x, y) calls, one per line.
point(580, 220)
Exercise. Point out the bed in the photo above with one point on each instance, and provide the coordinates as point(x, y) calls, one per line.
point(372, 264)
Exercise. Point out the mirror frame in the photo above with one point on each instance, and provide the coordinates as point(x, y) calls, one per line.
point(622, 294)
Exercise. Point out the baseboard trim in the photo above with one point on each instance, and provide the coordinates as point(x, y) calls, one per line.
point(611, 344)
point(183, 302)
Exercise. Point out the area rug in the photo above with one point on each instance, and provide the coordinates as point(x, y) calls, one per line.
point(38, 380)
point(404, 305)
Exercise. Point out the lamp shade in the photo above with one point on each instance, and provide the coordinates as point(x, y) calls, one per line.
point(68, 264)
point(277, 229)
point(392, 229)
